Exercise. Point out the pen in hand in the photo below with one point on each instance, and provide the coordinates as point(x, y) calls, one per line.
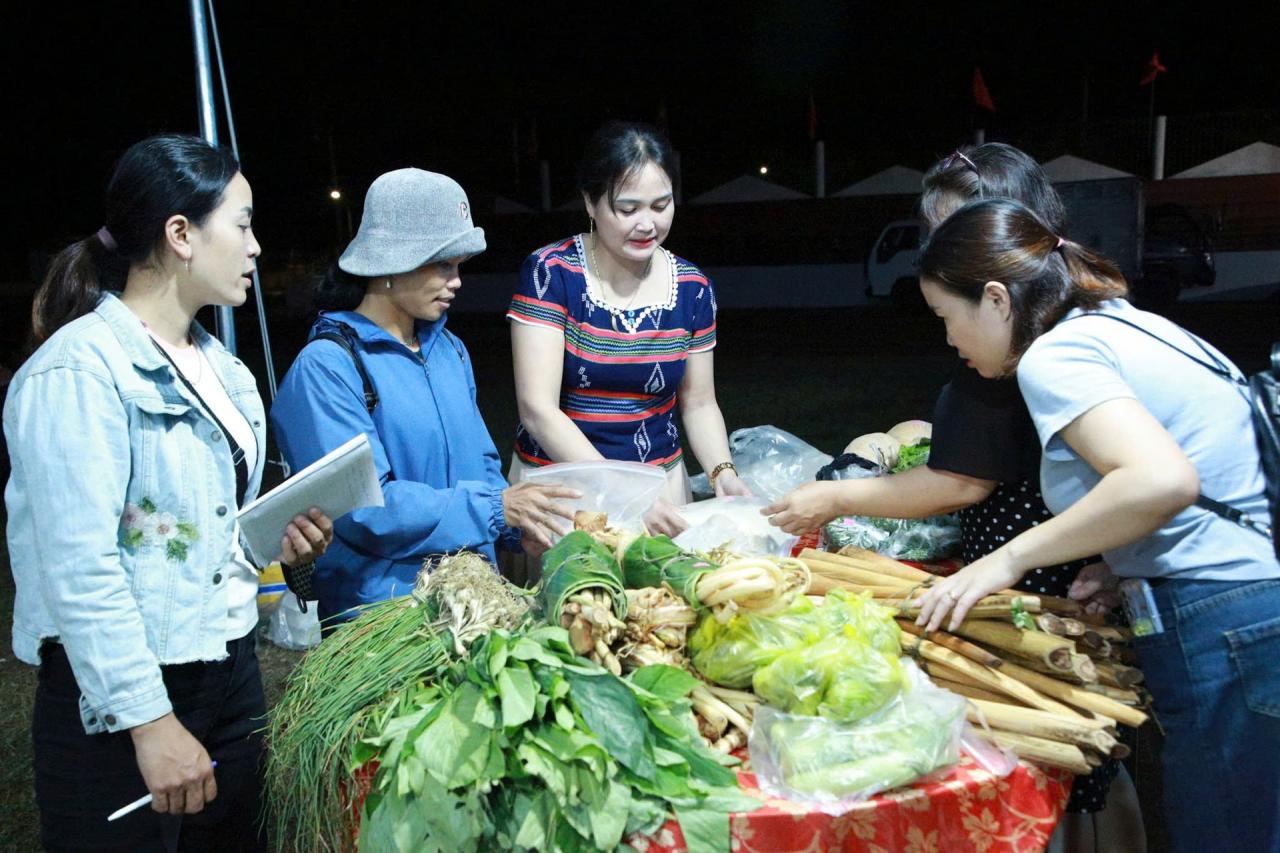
point(138, 803)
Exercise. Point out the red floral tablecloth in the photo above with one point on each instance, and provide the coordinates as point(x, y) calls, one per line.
point(969, 809)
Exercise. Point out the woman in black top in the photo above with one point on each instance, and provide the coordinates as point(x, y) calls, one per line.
point(983, 461)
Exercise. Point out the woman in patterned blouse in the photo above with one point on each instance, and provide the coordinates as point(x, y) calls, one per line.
point(612, 332)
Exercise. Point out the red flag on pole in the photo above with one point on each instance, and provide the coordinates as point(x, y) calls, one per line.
point(813, 119)
point(1154, 68)
point(981, 95)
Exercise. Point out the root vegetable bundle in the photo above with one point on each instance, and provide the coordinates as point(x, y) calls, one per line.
point(762, 585)
point(1047, 679)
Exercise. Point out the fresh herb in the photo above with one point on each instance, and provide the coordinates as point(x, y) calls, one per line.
point(1021, 618)
point(527, 746)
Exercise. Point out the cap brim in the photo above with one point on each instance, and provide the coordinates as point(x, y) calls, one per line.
point(368, 260)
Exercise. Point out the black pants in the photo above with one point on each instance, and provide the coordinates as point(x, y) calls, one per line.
point(80, 779)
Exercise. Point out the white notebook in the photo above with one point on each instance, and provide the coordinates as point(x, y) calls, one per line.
point(342, 480)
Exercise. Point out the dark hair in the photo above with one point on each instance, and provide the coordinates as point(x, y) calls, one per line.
point(155, 179)
point(618, 151)
point(1046, 276)
point(991, 170)
point(337, 290)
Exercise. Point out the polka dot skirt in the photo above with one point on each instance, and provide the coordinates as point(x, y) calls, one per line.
point(1011, 509)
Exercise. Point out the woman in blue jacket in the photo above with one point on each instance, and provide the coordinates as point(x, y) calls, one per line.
point(380, 361)
point(134, 437)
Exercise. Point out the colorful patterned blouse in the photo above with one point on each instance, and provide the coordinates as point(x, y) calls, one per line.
point(621, 368)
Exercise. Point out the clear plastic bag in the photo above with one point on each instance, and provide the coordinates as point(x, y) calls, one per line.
point(623, 490)
point(770, 461)
point(290, 628)
point(834, 766)
point(736, 521)
point(920, 539)
point(730, 653)
point(839, 678)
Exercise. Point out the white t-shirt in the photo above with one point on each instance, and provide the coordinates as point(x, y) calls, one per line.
point(1087, 360)
point(240, 575)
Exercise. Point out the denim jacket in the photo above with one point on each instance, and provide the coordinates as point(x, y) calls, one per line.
point(122, 509)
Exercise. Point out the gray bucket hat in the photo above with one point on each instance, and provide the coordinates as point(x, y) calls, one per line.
point(411, 217)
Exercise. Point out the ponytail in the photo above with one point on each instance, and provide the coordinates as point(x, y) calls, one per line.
point(75, 280)
point(1046, 276)
point(154, 179)
point(1093, 278)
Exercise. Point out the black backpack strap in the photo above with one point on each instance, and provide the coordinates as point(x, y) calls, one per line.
point(344, 339)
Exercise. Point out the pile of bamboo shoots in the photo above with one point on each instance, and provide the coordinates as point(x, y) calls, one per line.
point(1048, 680)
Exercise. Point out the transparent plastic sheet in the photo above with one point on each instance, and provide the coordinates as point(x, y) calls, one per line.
point(736, 521)
point(834, 766)
point(623, 490)
point(770, 461)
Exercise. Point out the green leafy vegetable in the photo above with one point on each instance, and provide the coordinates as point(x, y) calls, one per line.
point(912, 455)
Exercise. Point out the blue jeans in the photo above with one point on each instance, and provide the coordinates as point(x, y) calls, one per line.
point(1215, 677)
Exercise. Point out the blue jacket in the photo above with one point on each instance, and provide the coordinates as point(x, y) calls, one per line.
point(122, 511)
point(441, 477)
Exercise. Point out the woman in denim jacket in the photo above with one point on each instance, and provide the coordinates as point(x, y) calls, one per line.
point(134, 437)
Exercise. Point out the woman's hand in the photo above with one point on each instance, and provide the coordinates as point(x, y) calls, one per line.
point(305, 538)
point(729, 483)
point(806, 508)
point(958, 593)
point(174, 765)
point(663, 519)
point(532, 507)
point(1096, 588)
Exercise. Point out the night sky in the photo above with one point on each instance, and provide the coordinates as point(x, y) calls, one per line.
point(482, 90)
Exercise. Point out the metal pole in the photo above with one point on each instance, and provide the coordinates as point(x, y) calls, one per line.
point(225, 319)
point(1157, 153)
point(819, 170)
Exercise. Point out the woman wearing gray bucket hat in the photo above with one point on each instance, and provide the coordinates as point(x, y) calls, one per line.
point(380, 361)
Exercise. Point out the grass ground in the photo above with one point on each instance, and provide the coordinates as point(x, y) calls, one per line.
point(826, 376)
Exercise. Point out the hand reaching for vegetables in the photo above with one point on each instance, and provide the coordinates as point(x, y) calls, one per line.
point(533, 508)
point(958, 593)
point(806, 508)
point(663, 519)
point(1096, 588)
point(306, 538)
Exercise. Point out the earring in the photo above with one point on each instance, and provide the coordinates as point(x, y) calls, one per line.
point(592, 219)
point(388, 284)
point(188, 266)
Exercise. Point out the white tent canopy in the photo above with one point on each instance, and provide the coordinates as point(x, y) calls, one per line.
point(1260, 158)
point(1069, 167)
point(747, 188)
point(895, 180)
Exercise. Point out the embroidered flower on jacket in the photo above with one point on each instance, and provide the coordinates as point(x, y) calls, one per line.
point(144, 524)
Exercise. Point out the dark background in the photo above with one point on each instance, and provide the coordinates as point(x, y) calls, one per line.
point(333, 93)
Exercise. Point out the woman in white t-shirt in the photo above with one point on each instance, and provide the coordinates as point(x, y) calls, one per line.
point(1135, 430)
point(134, 438)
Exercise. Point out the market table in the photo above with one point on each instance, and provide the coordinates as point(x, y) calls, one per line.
point(967, 809)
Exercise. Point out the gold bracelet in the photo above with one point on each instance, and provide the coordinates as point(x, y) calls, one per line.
point(723, 466)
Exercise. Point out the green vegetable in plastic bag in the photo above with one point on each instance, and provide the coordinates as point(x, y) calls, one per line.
point(730, 654)
point(840, 678)
point(575, 563)
point(873, 623)
point(813, 759)
point(912, 455)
